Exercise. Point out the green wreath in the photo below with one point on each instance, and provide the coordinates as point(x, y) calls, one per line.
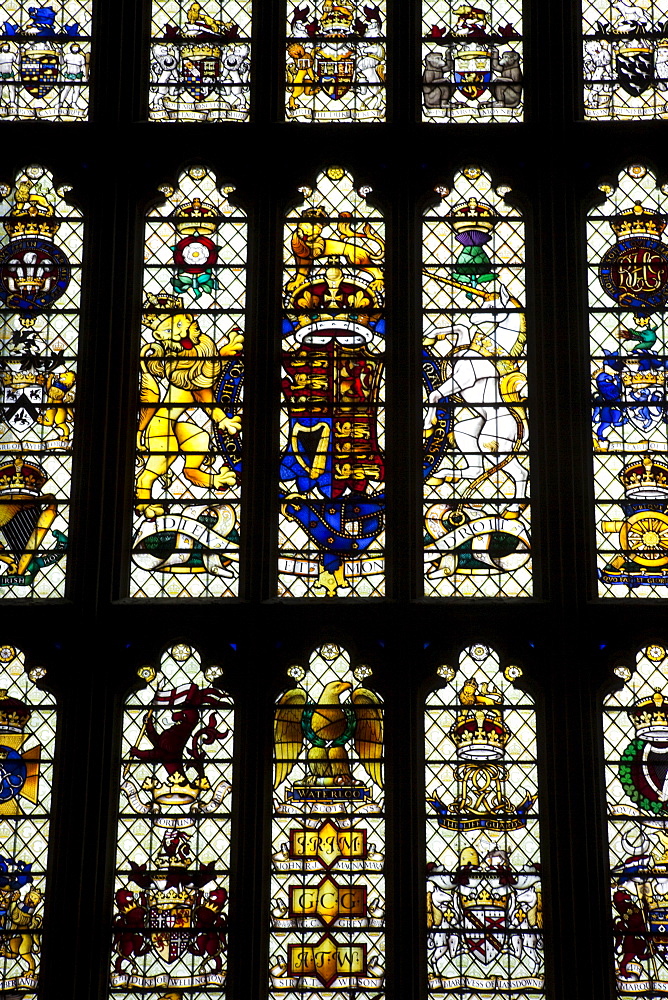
point(312, 737)
point(633, 793)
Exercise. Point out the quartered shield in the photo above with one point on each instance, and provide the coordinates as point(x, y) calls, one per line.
point(21, 404)
point(200, 75)
point(39, 71)
point(335, 74)
point(333, 451)
point(473, 72)
point(170, 929)
point(332, 393)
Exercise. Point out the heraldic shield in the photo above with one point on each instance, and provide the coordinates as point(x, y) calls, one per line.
point(200, 70)
point(331, 392)
point(39, 71)
point(332, 468)
point(335, 72)
point(473, 72)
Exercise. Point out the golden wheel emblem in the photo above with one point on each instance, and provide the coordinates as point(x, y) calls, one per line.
point(644, 538)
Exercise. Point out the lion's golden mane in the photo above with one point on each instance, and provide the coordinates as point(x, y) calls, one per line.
point(197, 368)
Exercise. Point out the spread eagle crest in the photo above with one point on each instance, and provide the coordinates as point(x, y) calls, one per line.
point(326, 727)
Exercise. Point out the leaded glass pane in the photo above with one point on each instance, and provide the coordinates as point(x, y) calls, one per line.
point(335, 61)
point(484, 900)
point(40, 286)
point(45, 60)
point(628, 291)
point(328, 835)
point(331, 541)
point(187, 488)
point(472, 62)
point(476, 461)
point(172, 861)
point(625, 50)
point(200, 60)
point(636, 741)
point(27, 739)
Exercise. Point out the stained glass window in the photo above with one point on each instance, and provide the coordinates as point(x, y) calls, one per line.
point(335, 61)
point(45, 60)
point(172, 862)
point(27, 738)
point(186, 539)
point(328, 834)
point(636, 740)
point(200, 60)
point(40, 283)
point(484, 902)
point(472, 61)
point(476, 466)
point(628, 290)
point(332, 467)
point(625, 59)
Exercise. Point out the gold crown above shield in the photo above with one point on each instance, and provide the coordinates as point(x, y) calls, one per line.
point(484, 898)
point(165, 899)
point(638, 221)
point(22, 380)
point(177, 789)
point(642, 379)
point(200, 50)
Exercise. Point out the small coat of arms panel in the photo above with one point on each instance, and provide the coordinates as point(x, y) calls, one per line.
point(335, 61)
point(45, 54)
point(200, 61)
point(472, 62)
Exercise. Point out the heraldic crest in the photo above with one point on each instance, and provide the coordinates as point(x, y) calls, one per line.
point(171, 886)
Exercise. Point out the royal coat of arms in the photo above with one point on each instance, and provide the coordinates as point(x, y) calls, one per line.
point(336, 61)
point(332, 467)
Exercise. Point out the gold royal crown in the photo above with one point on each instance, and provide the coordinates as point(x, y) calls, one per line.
point(638, 221)
point(31, 215)
point(19, 478)
point(641, 379)
point(14, 714)
point(650, 717)
point(196, 217)
point(473, 214)
point(645, 477)
point(479, 734)
point(167, 898)
point(484, 898)
point(337, 15)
